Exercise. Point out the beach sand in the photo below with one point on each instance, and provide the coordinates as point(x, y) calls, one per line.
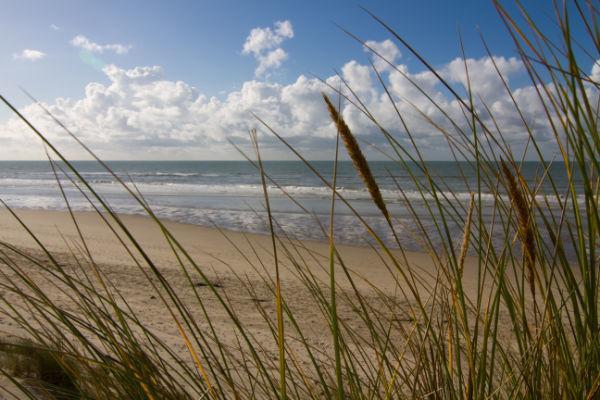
point(211, 248)
point(228, 258)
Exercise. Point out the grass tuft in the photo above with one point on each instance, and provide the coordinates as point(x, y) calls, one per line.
point(451, 322)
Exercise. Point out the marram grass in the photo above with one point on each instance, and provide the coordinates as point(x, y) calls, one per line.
point(528, 328)
point(358, 158)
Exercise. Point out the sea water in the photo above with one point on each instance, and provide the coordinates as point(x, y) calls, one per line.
point(229, 194)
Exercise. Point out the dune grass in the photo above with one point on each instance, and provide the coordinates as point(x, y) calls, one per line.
point(528, 330)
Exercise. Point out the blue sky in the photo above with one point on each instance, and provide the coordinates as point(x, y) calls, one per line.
point(200, 43)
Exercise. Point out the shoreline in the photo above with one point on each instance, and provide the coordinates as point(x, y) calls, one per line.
point(171, 221)
point(209, 247)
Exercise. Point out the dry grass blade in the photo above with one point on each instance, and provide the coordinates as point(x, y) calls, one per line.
point(464, 247)
point(358, 158)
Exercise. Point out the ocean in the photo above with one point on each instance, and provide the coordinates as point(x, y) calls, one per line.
point(229, 194)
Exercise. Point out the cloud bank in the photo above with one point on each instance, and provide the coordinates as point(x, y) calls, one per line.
point(140, 113)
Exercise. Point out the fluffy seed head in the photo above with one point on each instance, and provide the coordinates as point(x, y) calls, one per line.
point(525, 227)
point(358, 158)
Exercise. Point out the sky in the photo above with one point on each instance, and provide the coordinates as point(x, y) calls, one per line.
point(180, 79)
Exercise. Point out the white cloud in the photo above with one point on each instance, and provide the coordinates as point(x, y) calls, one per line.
point(482, 74)
point(86, 44)
point(54, 27)
point(284, 29)
point(383, 53)
point(595, 74)
point(139, 113)
point(263, 44)
point(272, 60)
point(29, 55)
point(358, 77)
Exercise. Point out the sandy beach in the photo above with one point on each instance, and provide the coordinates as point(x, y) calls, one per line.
point(231, 260)
point(211, 248)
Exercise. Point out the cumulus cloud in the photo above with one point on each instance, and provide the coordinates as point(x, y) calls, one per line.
point(54, 27)
point(264, 45)
point(29, 55)
point(142, 109)
point(483, 74)
point(271, 60)
point(84, 43)
point(383, 53)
